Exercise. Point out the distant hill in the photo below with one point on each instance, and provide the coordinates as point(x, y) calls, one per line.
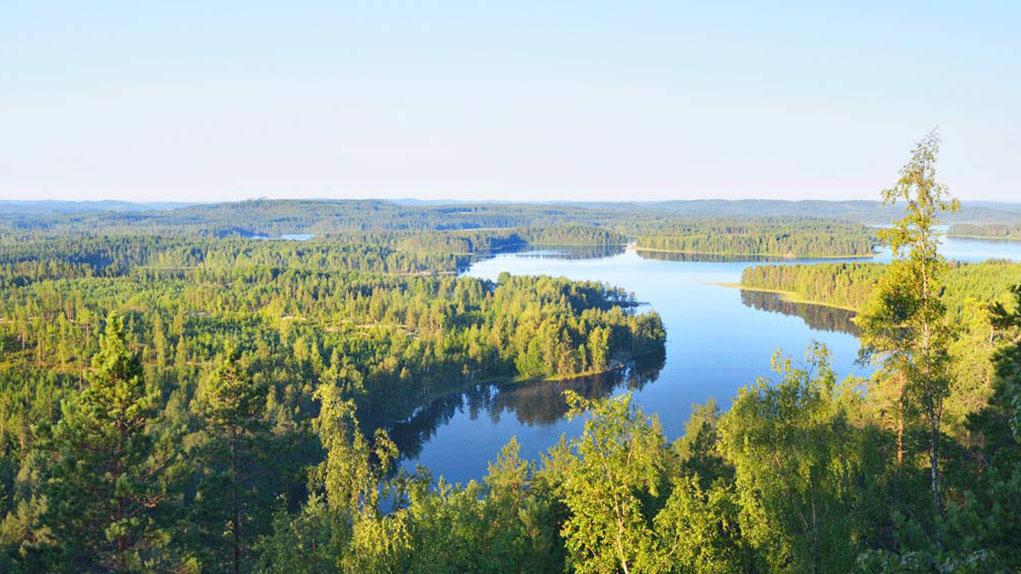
point(9, 206)
point(861, 211)
point(323, 216)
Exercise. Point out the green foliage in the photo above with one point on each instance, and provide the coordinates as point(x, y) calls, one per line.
point(905, 321)
point(780, 238)
point(968, 288)
point(229, 400)
point(1007, 360)
point(224, 415)
point(231, 404)
point(700, 530)
point(838, 284)
point(273, 218)
point(612, 476)
point(1000, 231)
point(798, 464)
point(101, 484)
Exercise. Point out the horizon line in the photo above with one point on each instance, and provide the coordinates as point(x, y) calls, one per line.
point(469, 201)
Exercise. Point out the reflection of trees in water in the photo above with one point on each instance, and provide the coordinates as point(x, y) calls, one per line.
point(532, 403)
point(818, 317)
point(575, 251)
point(544, 251)
point(543, 403)
point(703, 257)
point(411, 433)
point(563, 251)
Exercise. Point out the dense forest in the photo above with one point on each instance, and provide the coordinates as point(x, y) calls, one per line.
point(783, 238)
point(154, 389)
point(275, 217)
point(453, 233)
point(849, 285)
point(178, 395)
point(750, 227)
point(1004, 231)
point(969, 290)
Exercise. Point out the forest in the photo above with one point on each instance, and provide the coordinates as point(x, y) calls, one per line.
point(1003, 231)
point(153, 389)
point(179, 393)
point(781, 238)
point(456, 231)
point(273, 217)
point(969, 290)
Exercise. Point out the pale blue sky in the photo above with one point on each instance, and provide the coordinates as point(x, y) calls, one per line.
point(470, 100)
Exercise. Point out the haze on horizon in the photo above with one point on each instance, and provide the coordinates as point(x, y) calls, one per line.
point(530, 101)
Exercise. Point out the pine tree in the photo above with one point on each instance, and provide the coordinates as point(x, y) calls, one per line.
point(231, 405)
point(102, 490)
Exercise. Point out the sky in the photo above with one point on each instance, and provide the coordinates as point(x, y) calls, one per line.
point(211, 101)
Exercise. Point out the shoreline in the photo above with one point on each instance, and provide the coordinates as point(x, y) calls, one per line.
point(789, 296)
point(519, 380)
point(772, 255)
point(983, 237)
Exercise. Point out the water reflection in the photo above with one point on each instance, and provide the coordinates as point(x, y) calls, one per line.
point(539, 403)
point(817, 317)
point(718, 341)
point(707, 258)
point(568, 252)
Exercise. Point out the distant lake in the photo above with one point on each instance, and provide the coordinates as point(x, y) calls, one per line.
point(718, 340)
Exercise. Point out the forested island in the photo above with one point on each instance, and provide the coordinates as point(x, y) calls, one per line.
point(180, 394)
point(1002, 231)
point(784, 239)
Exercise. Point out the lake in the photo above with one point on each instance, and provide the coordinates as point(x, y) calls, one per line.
point(718, 340)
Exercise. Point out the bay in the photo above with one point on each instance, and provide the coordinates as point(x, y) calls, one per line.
point(719, 339)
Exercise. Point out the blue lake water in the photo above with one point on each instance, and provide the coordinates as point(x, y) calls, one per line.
point(718, 340)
